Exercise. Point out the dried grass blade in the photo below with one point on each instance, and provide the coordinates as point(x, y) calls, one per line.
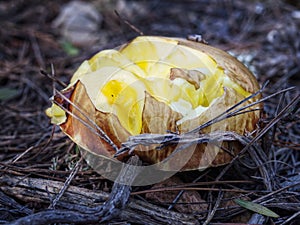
point(256, 208)
point(92, 126)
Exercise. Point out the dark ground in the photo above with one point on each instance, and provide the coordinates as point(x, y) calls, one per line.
point(34, 164)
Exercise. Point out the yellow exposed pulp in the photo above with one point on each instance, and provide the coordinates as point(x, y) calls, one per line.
point(119, 79)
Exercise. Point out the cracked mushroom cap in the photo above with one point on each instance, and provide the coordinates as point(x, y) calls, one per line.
point(155, 85)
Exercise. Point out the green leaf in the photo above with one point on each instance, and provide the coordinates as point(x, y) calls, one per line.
point(77, 149)
point(256, 208)
point(70, 49)
point(7, 93)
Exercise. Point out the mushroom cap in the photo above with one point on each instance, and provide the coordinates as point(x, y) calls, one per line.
point(156, 85)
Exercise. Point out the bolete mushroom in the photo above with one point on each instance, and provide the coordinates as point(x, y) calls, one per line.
point(155, 85)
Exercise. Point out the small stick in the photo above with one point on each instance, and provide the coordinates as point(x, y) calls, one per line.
point(134, 28)
point(120, 193)
point(66, 184)
point(52, 77)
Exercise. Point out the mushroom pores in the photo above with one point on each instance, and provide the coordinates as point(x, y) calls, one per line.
point(155, 85)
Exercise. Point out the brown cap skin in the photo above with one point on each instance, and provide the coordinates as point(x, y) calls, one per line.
point(234, 69)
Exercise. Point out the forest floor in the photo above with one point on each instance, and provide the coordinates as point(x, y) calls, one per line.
point(37, 160)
